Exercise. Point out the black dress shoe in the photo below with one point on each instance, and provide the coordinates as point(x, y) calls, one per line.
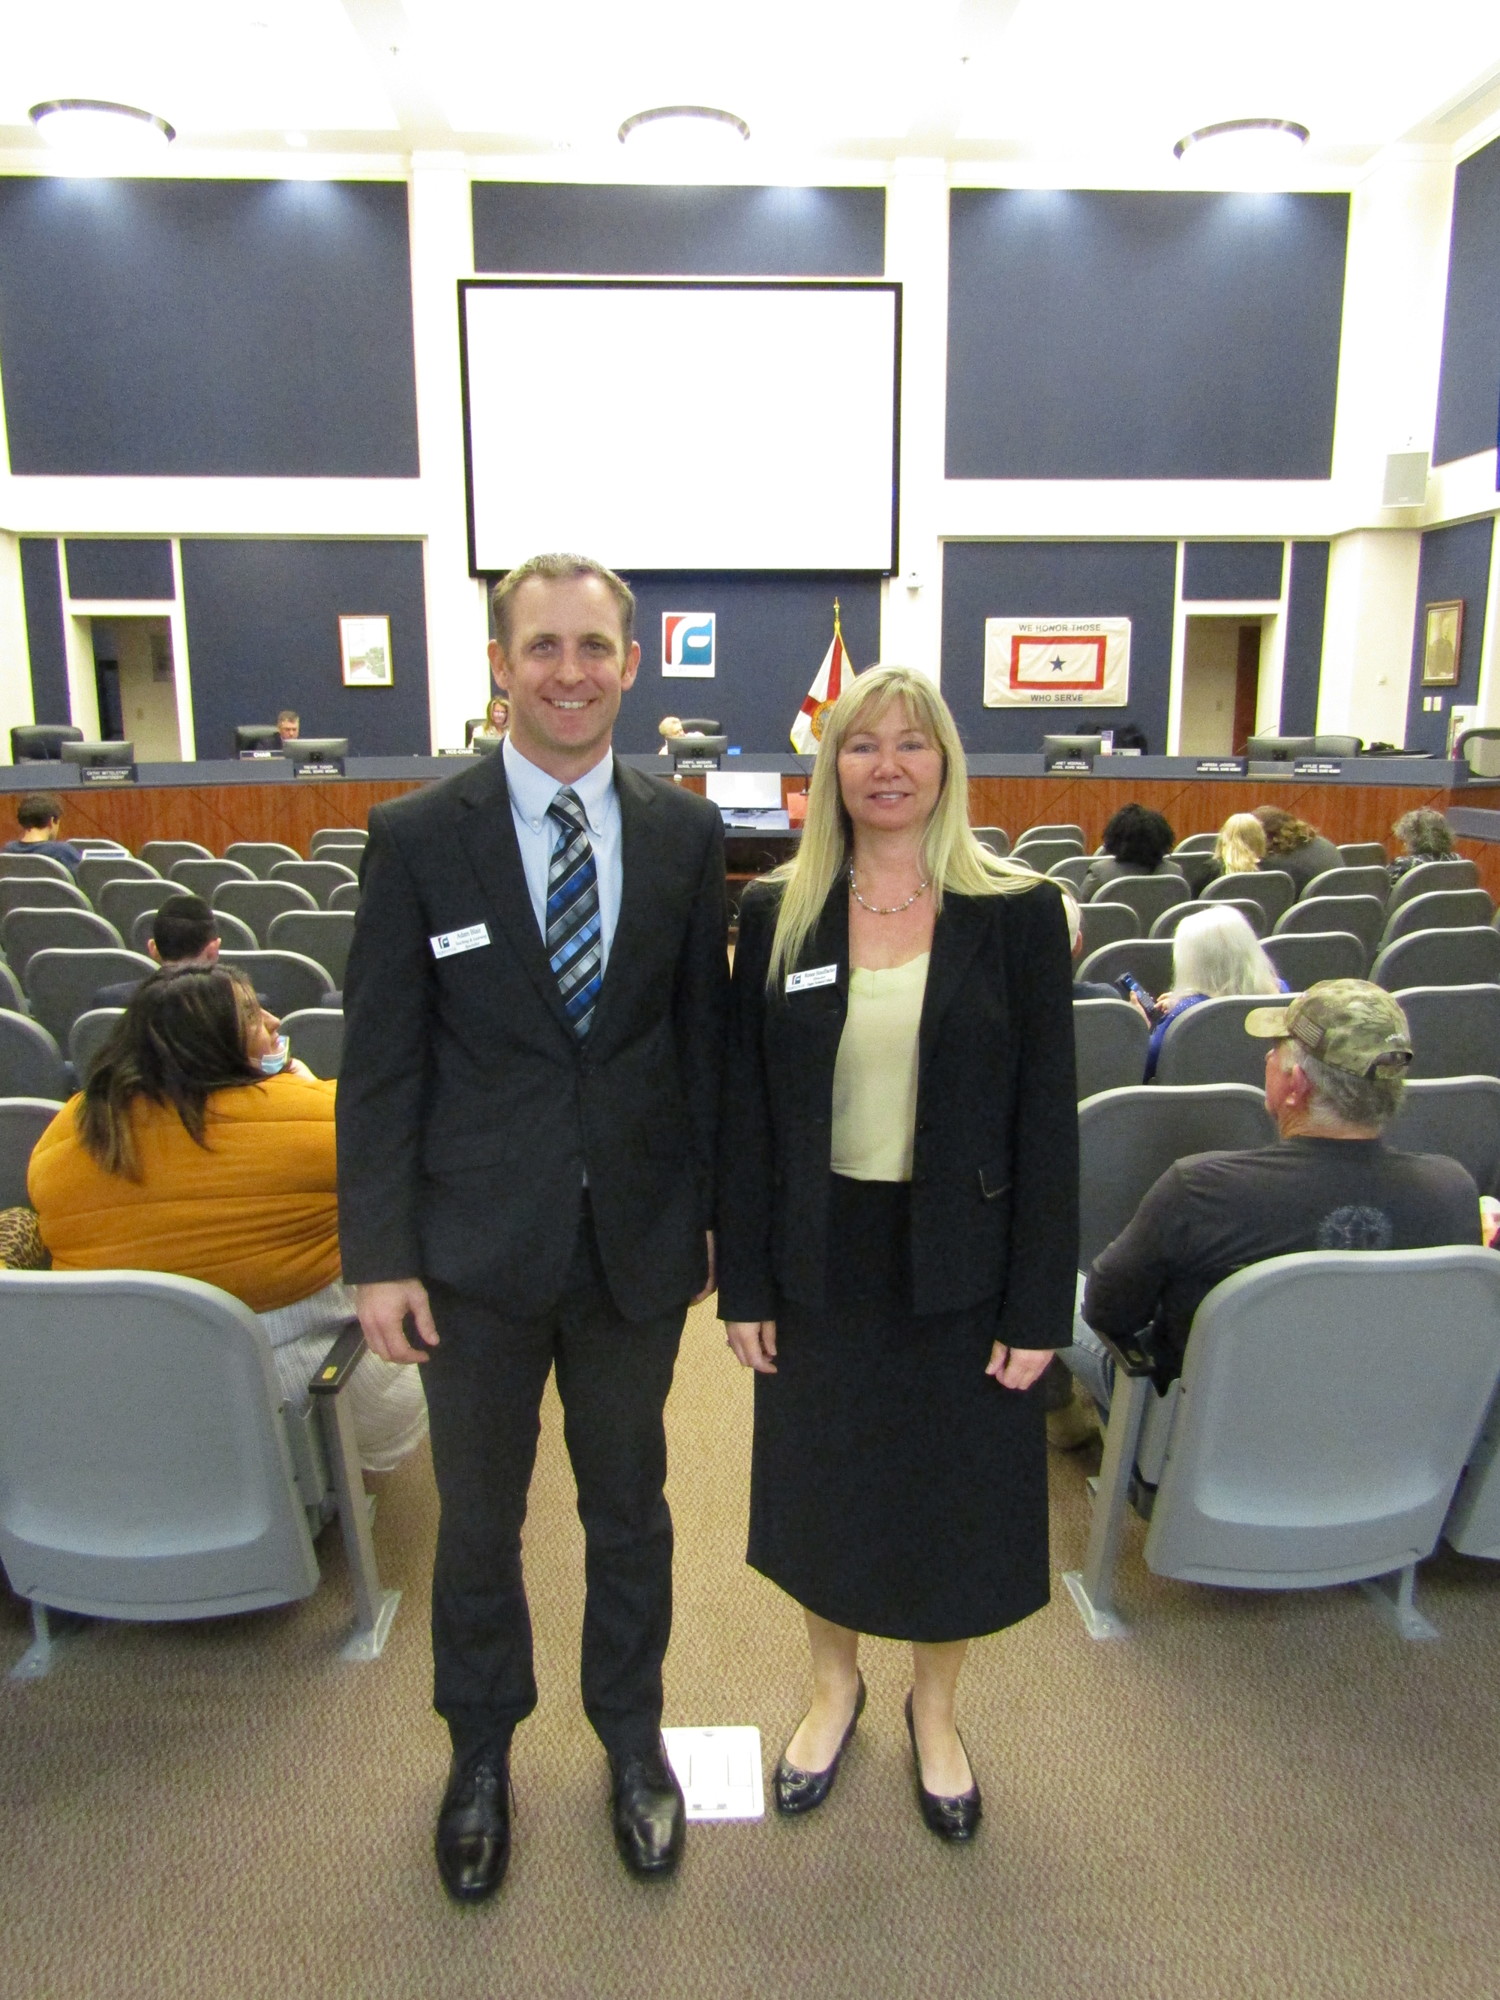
point(950, 1819)
point(647, 1809)
point(473, 1826)
point(797, 1791)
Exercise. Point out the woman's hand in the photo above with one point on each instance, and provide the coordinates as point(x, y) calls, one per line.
point(1013, 1367)
point(754, 1343)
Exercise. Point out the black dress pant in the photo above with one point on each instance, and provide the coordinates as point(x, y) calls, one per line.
point(484, 1387)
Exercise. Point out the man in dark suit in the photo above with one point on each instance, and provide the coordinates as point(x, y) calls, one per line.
point(535, 1008)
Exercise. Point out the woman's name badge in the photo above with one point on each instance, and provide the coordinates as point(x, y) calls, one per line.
point(446, 943)
point(816, 975)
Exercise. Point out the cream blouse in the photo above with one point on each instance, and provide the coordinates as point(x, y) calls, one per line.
point(875, 1075)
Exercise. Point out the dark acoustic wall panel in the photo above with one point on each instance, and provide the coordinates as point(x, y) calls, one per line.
point(1302, 669)
point(1133, 580)
point(1455, 563)
point(41, 589)
point(109, 569)
point(212, 328)
point(770, 637)
point(1469, 384)
point(1223, 570)
point(263, 634)
point(745, 232)
point(1143, 336)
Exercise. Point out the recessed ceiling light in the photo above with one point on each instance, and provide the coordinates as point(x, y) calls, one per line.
point(93, 124)
point(1275, 134)
point(675, 122)
point(296, 138)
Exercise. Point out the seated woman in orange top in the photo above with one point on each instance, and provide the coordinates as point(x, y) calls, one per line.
point(196, 1148)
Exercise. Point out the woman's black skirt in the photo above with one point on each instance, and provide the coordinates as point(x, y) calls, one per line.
point(895, 1487)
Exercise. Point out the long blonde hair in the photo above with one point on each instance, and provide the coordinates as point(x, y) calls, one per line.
point(1241, 844)
point(952, 858)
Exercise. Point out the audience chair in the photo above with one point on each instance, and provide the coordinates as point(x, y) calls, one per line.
point(1272, 888)
point(321, 935)
point(1438, 910)
point(38, 892)
point(1312, 1440)
point(1198, 869)
point(1044, 854)
point(1362, 853)
point(256, 903)
point(88, 1035)
point(318, 878)
point(1363, 915)
point(31, 1063)
point(1148, 959)
point(96, 869)
point(1455, 1030)
point(1070, 871)
point(61, 984)
point(1208, 1043)
point(316, 1036)
point(34, 864)
point(352, 858)
point(23, 1120)
point(1109, 1045)
point(286, 980)
point(204, 878)
point(336, 836)
point(97, 843)
point(344, 897)
point(1106, 923)
point(1166, 924)
point(1349, 882)
point(1061, 831)
point(234, 933)
point(1302, 958)
point(260, 856)
point(151, 1470)
point(1455, 1115)
point(1428, 876)
point(163, 854)
point(12, 998)
point(1427, 958)
point(1147, 895)
point(995, 838)
point(24, 932)
point(1195, 843)
point(122, 902)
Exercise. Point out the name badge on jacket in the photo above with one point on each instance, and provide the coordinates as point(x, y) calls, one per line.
point(470, 938)
point(815, 975)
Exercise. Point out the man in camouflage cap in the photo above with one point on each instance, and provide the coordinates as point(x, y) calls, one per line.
point(1336, 1062)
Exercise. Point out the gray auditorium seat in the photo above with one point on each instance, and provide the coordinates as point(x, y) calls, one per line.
point(1272, 888)
point(260, 856)
point(96, 843)
point(12, 999)
point(150, 1470)
point(316, 1036)
point(285, 979)
point(336, 836)
point(995, 838)
point(1198, 868)
point(1349, 882)
point(1258, 1490)
point(1361, 853)
point(1060, 830)
point(257, 903)
point(90, 1032)
point(1070, 871)
point(1195, 843)
point(202, 878)
point(1167, 923)
point(123, 902)
point(1363, 915)
point(61, 984)
point(318, 878)
point(1109, 1045)
point(1304, 957)
point(1438, 910)
point(1105, 923)
point(344, 897)
point(1428, 876)
point(1430, 958)
point(34, 864)
point(1455, 1030)
point(322, 935)
point(1208, 1043)
point(39, 892)
point(1147, 959)
point(24, 932)
point(1044, 854)
point(23, 1120)
point(163, 853)
point(96, 869)
point(31, 1063)
point(1456, 1115)
point(1147, 895)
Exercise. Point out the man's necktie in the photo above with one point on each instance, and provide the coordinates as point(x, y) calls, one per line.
point(574, 945)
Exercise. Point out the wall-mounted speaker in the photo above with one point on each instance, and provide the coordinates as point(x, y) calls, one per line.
point(1405, 479)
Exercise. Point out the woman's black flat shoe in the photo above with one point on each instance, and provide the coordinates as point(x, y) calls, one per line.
point(949, 1819)
point(800, 1791)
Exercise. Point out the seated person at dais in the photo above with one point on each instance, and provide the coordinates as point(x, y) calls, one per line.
point(1215, 953)
point(1137, 841)
point(496, 721)
point(1335, 1071)
point(40, 818)
point(1294, 846)
point(195, 1148)
point(184, 933)
point(288, 724)
point(1426, 836)
point(666, 729)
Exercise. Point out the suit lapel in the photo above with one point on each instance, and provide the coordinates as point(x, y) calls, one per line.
point(629, 949)
point(488, 833)
point(956, 937)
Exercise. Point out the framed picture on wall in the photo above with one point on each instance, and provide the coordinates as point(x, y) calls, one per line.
point(1444, 634)
point(365, 650)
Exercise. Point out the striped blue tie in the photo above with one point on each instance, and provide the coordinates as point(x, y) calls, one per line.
point(574, 944)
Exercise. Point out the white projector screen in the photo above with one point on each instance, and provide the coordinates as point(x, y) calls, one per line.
point(666, 426)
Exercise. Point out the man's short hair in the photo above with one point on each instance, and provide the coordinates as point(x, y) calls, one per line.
point(287, 715)
point(558, 569)
point(184, 927)
point(1350, 1039)
point(39, 809)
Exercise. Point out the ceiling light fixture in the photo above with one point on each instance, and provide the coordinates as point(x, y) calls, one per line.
point(94, 124)
point(676, 121)
point(1275, 134)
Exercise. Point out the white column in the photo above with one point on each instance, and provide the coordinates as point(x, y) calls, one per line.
point(1367, 634)
point(916, 254)
point(442, 252)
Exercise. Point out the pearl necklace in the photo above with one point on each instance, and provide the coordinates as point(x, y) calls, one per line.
point(896, 908)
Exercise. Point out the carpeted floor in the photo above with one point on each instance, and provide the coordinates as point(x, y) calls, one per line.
point(1251, 1796)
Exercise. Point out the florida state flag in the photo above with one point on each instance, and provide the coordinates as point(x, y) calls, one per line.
point(828, 685)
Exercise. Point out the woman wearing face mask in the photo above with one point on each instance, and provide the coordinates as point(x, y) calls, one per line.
point(197, 1147)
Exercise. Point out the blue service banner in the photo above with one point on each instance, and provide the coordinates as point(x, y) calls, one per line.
point(1317, 767)
point(1222, 767)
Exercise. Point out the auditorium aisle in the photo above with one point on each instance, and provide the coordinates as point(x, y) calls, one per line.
point(1254, 1796)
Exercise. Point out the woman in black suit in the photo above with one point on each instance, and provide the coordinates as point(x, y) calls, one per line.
point(898, 1231)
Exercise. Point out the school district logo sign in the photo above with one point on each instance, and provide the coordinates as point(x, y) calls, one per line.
point(687, 644)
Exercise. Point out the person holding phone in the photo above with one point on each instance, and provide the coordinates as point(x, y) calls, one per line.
point(1214, 953)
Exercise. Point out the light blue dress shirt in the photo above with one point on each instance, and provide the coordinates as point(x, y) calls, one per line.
point(532, 791)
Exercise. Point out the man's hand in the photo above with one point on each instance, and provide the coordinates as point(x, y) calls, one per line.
point(1017, 1367)
point(754, 1343)
point(713, 1275)
point(383, 1311)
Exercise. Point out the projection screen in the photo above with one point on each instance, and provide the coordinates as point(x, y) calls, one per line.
point(671, 426)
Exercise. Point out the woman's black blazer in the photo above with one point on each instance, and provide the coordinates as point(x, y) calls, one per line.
point(994, 1196)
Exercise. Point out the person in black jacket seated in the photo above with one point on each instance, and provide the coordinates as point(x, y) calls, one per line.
point(1137, 841)
point(184, 932)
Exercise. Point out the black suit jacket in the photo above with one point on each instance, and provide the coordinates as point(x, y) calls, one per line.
point(994, 1196)
point(468, 1110)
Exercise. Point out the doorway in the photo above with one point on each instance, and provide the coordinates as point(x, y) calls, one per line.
point(1220, 685)
point(137, 686)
